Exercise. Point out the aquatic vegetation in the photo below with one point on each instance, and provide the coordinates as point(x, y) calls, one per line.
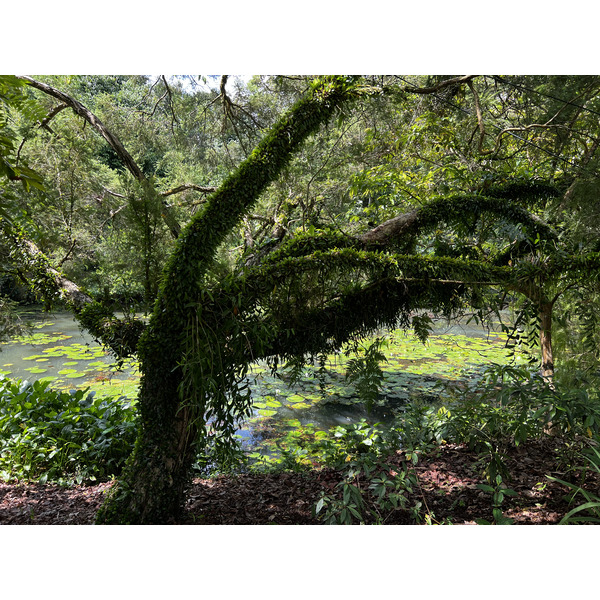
point(412, 371)
point(36, 370)
point(67, 365)
point(284, 412)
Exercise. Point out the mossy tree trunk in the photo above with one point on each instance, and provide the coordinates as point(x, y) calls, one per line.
point(152, 486)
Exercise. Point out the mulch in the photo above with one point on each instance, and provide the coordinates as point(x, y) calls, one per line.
point(448, 480)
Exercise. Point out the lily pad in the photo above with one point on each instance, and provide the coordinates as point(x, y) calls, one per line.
point(267, 413)
point(294, 398)
point(53, 351)
point(272, 403)
point(300, 405)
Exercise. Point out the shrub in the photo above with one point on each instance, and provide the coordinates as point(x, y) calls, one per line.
point(370, 490)
point(62, 436)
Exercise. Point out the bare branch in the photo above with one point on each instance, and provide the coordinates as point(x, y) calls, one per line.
point(113, 193)
point(170, 101)
point(51, 116)
point(205, 189)
point(390, 229)
point(479, 118)
point(66, 256)
point(112, 140)
point(94, 121)
point(69, 291)
point(519, 129)
point(112, 215)
point(440, 86)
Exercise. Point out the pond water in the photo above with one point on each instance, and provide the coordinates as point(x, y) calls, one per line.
point(57, 350)
point(454, 352)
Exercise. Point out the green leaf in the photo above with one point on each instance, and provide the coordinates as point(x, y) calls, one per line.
point(486, 488)
point(586, 506)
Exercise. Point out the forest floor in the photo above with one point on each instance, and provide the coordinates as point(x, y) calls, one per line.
point(448, 480)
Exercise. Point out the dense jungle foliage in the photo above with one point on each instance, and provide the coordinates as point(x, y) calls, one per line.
point(203, 224)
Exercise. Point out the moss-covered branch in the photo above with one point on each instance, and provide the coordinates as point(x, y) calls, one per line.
point(452, 210)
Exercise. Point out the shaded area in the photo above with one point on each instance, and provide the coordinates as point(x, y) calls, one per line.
point(448, 487)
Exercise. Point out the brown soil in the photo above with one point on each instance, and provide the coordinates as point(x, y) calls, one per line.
point(447, 488)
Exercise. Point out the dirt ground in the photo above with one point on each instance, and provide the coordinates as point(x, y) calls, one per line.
point(447, 490)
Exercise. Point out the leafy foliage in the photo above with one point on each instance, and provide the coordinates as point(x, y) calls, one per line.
point(13, 98)
point(498, 491)
point(589, 511)
point(366, 374)
point(370, 490)
point(62, 436)
point(508, 406)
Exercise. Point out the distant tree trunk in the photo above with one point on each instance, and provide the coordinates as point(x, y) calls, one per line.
point(547, 367)
point(152, 486)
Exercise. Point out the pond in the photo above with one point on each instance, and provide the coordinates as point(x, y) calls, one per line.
point(412, 371)
point(56, 349)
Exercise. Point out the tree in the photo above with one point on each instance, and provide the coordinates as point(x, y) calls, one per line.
point(154, 481)
point(469, 134)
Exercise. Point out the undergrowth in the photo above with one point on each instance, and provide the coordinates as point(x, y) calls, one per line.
point(74, 436)
point(507, 407)
point(62, 437)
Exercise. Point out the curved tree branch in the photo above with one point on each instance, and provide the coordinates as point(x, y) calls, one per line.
point(205, 189)
point(454, 207)
point(93, 120)
point(440, 86)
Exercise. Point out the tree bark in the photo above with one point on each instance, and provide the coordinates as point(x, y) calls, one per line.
point(547, 368)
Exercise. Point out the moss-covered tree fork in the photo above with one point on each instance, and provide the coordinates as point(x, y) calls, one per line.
point(151, 489)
